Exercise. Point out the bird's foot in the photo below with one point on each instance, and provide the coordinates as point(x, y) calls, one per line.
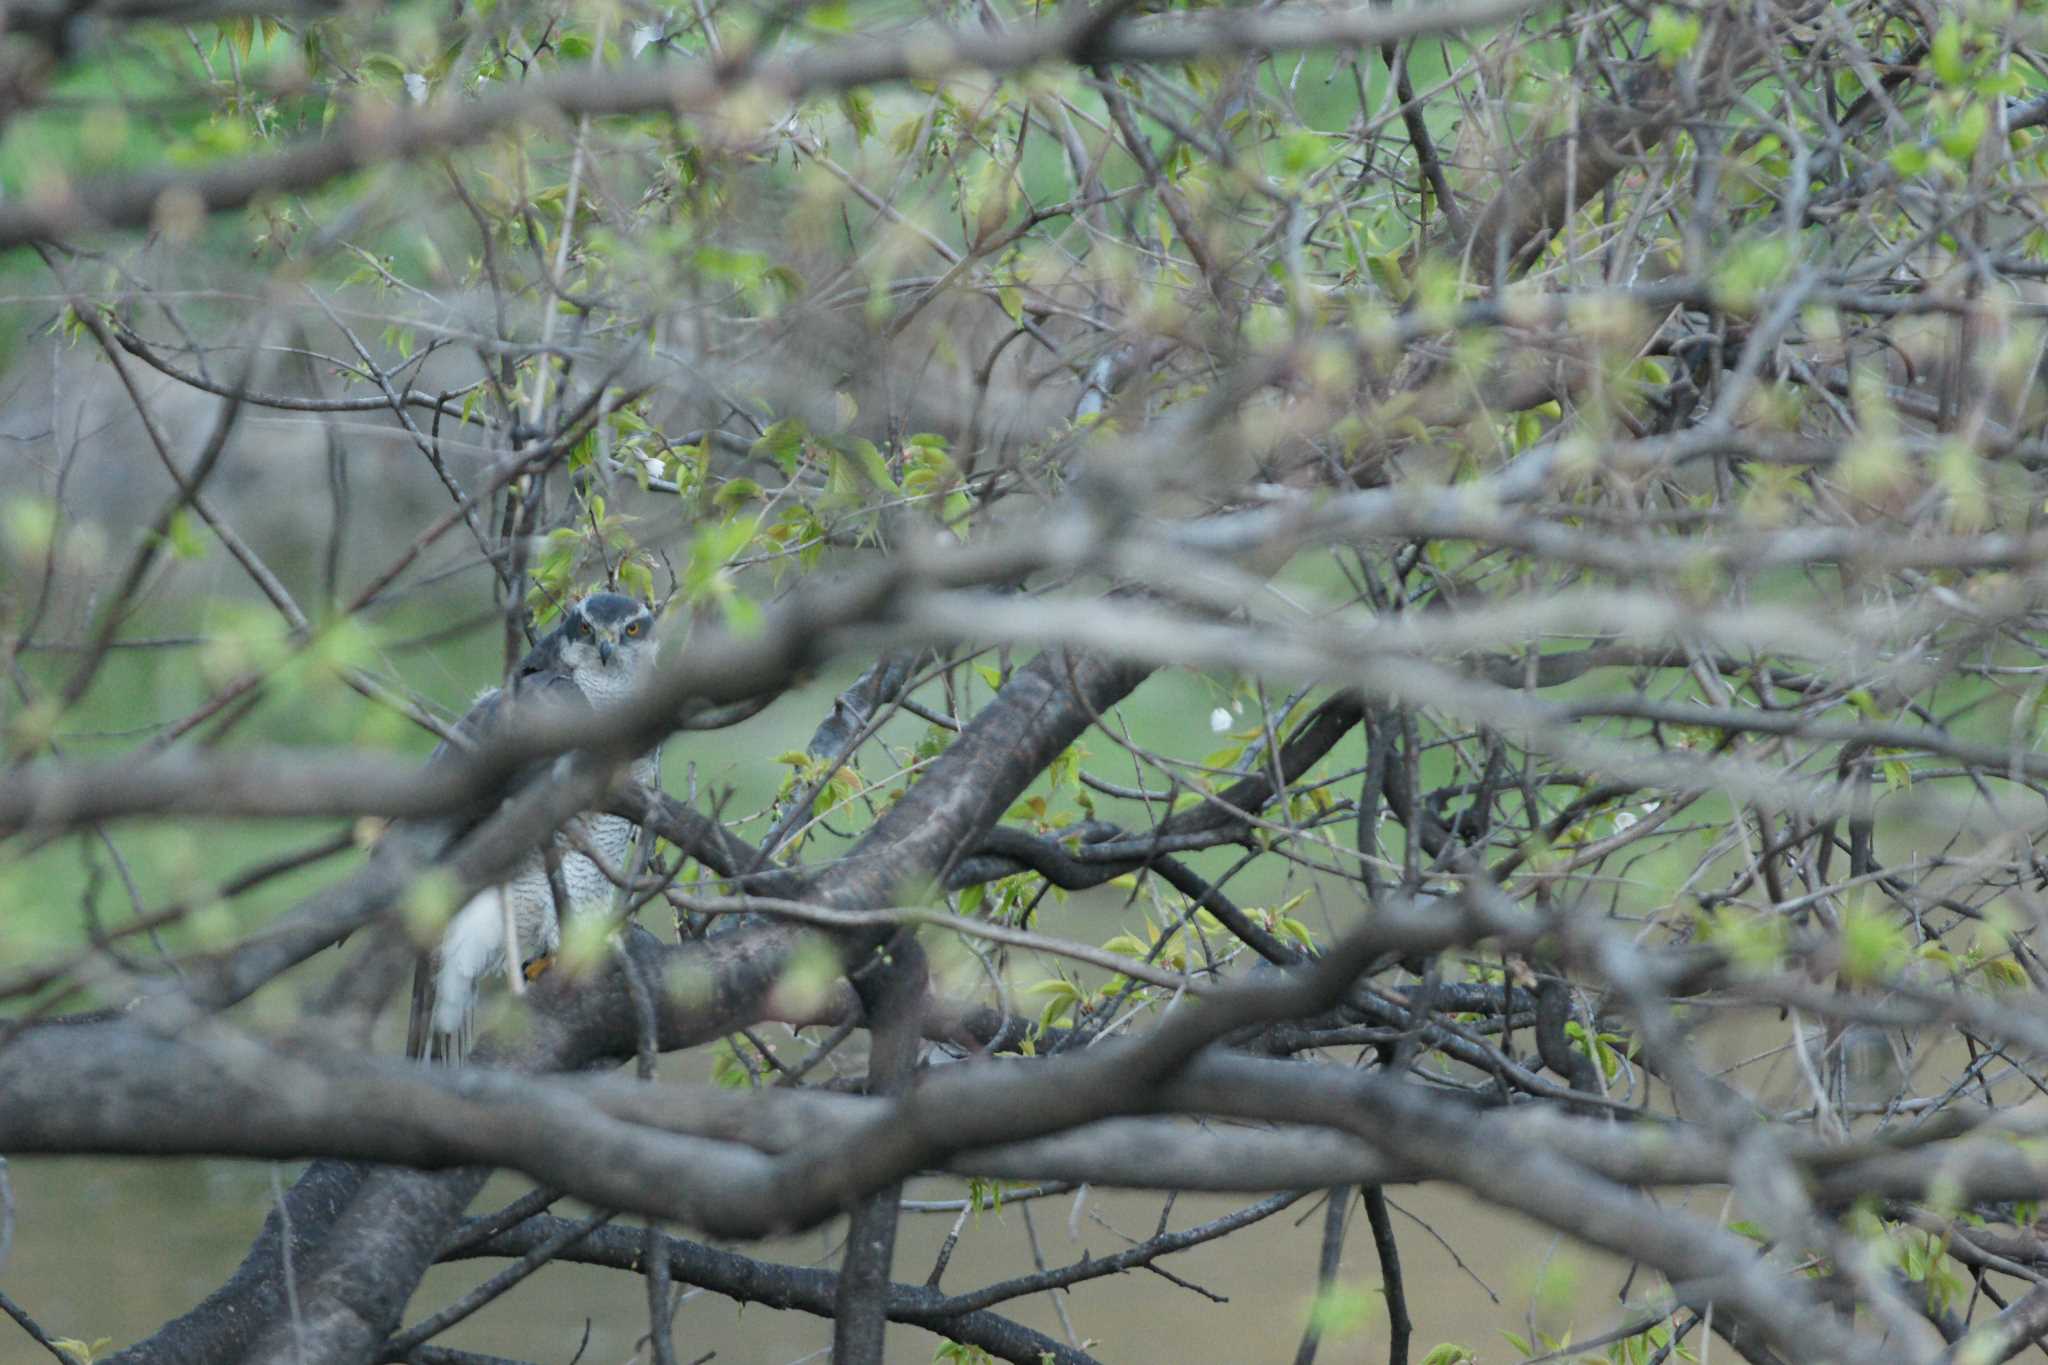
point(535, 966)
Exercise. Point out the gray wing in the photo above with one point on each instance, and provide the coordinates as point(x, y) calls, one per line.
point(539, 676)
point(540, 680)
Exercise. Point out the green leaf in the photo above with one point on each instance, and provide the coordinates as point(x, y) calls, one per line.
point(1673, 34)
point(873, 464)
point(184, 540)
point(1961, 137)
point(728, 1070)
point(1340, 1311)
point(742, 614)
point(1945, 54)
point(733, 492)
point(1754, 941)
point(1224, 759)
point(1295, 929)
point(783, 442)
point(1750, 269)
point(1873, 944)
point(1062, 996)
point(28, 525)
point(1301, 152)
point(429, 905)
point(989, 197)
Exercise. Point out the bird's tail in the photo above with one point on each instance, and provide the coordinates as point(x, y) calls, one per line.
point(444, 983)
point(421, 1041)
point(424, 1038)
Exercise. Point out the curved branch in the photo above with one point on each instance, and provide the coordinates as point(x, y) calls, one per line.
point(747, 1280)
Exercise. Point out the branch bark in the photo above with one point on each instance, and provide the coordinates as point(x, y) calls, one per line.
point(373, 134)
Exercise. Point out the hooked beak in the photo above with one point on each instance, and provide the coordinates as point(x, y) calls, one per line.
point(605, 649)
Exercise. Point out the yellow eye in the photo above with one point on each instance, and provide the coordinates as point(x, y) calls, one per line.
point(633, 628)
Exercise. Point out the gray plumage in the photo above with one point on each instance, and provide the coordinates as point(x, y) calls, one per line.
point(595, 658)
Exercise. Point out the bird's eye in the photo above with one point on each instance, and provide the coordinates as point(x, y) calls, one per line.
point(633, 628)
point(582, 626)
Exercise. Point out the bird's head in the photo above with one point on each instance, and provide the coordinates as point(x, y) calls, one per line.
point(609, 631)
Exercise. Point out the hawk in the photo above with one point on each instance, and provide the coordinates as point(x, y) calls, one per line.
point(596, 657)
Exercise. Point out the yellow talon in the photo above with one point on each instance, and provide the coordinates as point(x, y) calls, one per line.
point(533, 969)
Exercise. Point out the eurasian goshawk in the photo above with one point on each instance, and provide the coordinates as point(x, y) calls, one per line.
point(596, 657)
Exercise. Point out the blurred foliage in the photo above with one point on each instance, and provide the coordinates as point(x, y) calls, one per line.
point(705, 355)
